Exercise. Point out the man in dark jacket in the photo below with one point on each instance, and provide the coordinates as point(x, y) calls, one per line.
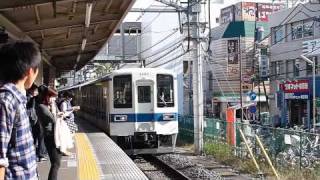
point(37, 129)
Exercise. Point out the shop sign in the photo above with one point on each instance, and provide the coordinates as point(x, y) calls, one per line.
point(245, 11)
point(265, 9)
point(227, 15)
point(296, 89)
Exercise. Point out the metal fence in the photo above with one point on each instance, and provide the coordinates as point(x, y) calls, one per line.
point(287, 148)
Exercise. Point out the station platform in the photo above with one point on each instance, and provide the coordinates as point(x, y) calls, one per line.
point(95, 157)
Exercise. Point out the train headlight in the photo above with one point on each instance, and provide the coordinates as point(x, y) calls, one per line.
point(169, 117)
point(120, 118)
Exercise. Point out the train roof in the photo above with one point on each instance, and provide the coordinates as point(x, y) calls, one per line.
point(118, 71)
point(138, 70)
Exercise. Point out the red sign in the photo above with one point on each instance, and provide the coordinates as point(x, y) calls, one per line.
point(265, 9)
point(298, 86)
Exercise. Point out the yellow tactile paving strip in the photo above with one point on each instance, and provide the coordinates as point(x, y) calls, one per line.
point(87, 164)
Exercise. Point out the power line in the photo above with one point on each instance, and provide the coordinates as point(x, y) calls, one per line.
point(162, 50)
point(178, 56)
point(157, 59)
point(175, 30)
point(309, 8)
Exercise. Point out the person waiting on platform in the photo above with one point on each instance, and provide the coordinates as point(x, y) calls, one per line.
point(37, 129)
point(67, 108)
point(18, 71)
point(48, 120)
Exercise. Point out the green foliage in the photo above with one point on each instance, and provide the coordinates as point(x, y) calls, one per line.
point(222, 152)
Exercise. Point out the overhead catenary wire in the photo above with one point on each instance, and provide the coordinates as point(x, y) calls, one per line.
point(160, 51)
point(178, 56)
point(161, 57)
point(160, 41)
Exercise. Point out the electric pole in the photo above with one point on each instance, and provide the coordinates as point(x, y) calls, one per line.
point(197, 83)
point(193, 25)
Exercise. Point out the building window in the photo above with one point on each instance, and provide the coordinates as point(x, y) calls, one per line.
point(296, 68)
point(281, 68)
point(309, 66)
point(277, 34)
point(308, 28)
point(302, 29)
point(210, 78)
point(273, 69)
point(296, 30)
point(278, 68)
point(217, 20)
point(287, 68)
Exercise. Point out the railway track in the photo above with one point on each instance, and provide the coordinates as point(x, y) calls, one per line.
point(154, 168)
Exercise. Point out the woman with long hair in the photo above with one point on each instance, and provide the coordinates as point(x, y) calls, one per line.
point(45, 108)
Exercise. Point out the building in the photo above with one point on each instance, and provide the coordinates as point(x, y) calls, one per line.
point(294, 32)
point(233, 45)
point(122, 47)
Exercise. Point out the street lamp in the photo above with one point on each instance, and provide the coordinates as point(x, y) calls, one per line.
point(313, 87)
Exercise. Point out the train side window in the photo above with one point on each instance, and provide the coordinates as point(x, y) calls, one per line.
point(144, 94)
point(122, 91)
point(165, 95)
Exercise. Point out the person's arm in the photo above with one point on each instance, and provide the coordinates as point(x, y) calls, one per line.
point(65, 110)
point(6, 125)
point(2, 172)
point(46, 114)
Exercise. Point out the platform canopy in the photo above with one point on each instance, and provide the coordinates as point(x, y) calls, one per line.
point(68, 32)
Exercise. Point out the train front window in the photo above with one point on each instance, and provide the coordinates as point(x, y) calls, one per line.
point(122, 91)
point(165, 95)
point(144, 94)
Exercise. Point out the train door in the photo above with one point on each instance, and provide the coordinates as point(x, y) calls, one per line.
point(145, 105)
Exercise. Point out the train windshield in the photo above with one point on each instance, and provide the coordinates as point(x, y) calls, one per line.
point(122, 91)
point(144, 94)
point(165, 96)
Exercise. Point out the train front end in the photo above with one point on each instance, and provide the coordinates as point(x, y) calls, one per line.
point(144, 113)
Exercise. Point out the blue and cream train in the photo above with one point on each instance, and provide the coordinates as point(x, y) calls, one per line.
point(137, 107)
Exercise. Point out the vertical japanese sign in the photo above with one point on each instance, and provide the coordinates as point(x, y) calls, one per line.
point(233, 52)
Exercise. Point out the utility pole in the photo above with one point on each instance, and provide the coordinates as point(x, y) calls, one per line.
point(193, 25)
point(240, 70)
point(197, 76)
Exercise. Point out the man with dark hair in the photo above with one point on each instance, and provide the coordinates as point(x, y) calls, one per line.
point(18, 71)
